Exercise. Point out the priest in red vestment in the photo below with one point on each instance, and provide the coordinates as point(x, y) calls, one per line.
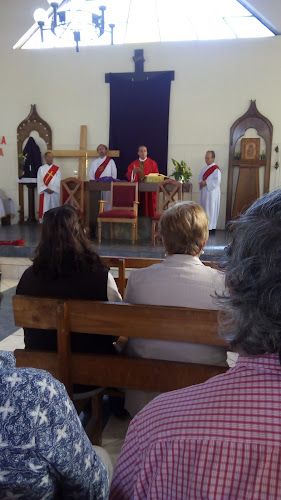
point(137, 170)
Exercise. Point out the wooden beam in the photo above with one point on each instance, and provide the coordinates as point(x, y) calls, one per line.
point(83, 147)
point(113, 153)
point(67, 153)
point(72, 153)
point(82, 153)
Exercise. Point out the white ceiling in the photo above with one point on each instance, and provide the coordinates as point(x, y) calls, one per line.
point(16, 16)
point(269, 9)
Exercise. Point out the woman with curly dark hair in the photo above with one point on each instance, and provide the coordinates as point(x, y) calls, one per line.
point(66, 266)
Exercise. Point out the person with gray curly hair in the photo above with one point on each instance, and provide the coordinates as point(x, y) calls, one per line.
point(222, 439)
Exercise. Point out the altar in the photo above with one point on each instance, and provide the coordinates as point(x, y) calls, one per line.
point(92, 191)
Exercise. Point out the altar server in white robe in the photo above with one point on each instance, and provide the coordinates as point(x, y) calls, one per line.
point(103, 167)
point(48, 185)
point(210, 193)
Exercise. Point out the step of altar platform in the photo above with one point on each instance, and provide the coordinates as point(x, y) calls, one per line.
point(121, 246)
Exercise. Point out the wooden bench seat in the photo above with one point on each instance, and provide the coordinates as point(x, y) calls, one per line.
point(120, 319)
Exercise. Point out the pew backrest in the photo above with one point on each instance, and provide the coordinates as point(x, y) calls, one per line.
point(105, 318)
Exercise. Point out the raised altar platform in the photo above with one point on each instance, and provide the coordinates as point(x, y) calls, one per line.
point(31, 235)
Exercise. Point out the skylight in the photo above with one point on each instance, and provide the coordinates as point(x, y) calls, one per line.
point(139, 21)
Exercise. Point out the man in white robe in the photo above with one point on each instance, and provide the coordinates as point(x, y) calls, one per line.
point(210, 194)
point(103, 167)
point(48, 185)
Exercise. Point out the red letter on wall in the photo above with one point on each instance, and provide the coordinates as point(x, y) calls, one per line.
point(1, 152)
point(3, 140)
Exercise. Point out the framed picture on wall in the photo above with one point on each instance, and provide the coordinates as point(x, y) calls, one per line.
point(250, 149)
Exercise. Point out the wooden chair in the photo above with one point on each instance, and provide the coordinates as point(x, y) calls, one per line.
point(72, 193)
point(124, 208)
point(168, 192)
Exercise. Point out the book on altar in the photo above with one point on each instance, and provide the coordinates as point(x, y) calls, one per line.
point(154, 177)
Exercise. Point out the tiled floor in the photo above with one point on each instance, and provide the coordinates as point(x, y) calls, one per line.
point(13, 341)
point(12, 268)
point(113, 436)
point(7, 325)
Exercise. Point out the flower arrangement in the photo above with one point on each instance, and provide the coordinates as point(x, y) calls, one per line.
point(182, 171)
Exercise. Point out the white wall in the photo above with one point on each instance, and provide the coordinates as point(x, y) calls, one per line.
point(214, 82)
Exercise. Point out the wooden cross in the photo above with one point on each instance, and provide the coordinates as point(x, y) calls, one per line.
point(83, 154)
point(139, 74)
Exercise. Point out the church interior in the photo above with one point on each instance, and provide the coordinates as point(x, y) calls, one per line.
point(223, 97)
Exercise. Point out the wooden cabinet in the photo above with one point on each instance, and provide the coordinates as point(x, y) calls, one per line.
point(248, 186)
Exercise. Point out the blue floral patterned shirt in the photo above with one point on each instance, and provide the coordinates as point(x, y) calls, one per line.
point(44, 451)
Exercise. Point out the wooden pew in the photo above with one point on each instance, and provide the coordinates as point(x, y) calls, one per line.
point(139, 321)
point(118, 262)
point(123, 263)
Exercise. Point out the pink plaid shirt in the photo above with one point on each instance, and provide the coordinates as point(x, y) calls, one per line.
point(220, 440)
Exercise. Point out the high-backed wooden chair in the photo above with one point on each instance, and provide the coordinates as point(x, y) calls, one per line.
point(72, 193)
point(124, 208)
point(168, 192)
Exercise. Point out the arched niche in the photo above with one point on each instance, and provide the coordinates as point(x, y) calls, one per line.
point(30, 127)
point(255, 120)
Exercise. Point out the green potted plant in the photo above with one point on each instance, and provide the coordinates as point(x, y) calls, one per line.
point(182, 172)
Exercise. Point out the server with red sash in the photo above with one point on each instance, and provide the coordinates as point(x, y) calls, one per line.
point(210, 194)
point(48, 185)
point(103, 167)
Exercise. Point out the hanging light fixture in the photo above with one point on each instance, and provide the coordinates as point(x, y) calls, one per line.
point(55, 10)
point(41, 17)
point(72, 16)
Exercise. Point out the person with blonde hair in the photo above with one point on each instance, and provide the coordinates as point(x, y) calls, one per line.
point(181, 280)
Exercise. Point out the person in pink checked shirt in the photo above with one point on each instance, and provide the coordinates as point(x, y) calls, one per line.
point(221, 440)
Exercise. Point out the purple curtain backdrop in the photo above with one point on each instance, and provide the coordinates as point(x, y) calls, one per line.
point(139, 114)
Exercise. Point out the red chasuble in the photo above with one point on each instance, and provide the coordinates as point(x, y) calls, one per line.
point(210, 171)
point(102, 168)
point(47, 179)
point(147, 200)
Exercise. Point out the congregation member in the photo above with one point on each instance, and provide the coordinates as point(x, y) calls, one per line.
point(103, 167)
point(66, 266)
point(45, 452)
point(181, 280)
point(137, 170)
point(221, 440)
point(210, 194)
point(48, 185)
